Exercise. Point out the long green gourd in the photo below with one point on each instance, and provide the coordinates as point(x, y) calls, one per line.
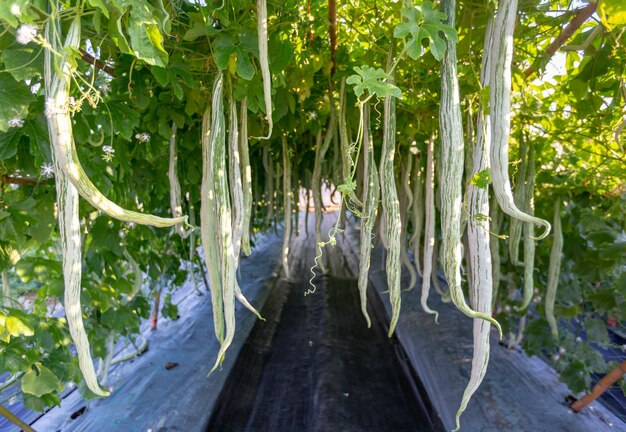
point(57, 87)
point(246, 173)
point(529, 235)
point(417, 215)
point(406, 201)
point(500, 109)
point(494, 245)
point(223, 218)
point(60, 125)
point(208, 208)
point(519, 196)
point(371, 192)
point(172, 174)
point(287, 205)
point(316, 180)
point(269, 186)
point(391, 210)
point(554, 270)
point(478, 235)
point(236, 193)
point(429, 228)
point(261, 11)
point(6, 288)
point(451, 173)
point(347, 163)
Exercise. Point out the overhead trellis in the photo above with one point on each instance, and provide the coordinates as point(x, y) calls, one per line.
point(163, 113)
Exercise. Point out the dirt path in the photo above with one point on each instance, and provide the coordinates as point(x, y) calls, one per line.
point(314, 365)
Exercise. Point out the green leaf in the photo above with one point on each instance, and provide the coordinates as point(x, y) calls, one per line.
point(146, 39)
point(373, 81)
point(482, 179)
point(245, 68)
point(575, 376)
point(14, 100)
point(597, 332)
point(39, 384)
point(8, 143)
point(23, 62)
point(16, 327)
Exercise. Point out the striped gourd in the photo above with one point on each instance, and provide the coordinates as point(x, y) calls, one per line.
point(6, 288)
point(172, 174)
point(519, 196)
point(451, 172)
point(371, 192)
point(391, 210)
point(478, 234)
point(406, 201)
point(57, 87)
point(236, 193)
point(223, 218)
point(529, 236)
point(347, 164)
point(500, 109)
point(417, 214)
point(246, 177)
point(287, 205)
point(269, 186)
point(208, 208)
point(429, 228)
point(64, 148)
point(321, 148)
point(261, 11)
point(554, 270)
point(494, 246)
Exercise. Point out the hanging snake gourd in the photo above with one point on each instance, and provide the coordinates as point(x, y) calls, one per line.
point(554, 270)
point(57, 87)
point(451, 172)
point(371, 192)
point(236, 193)
point(261, 10)
point(316, 180)
point(208, 210)
point(391, 210)
point(223, 218)
point(172, 174)
point(417, 215)
point(429, 228)
point(406, 202)
point(529, 235)
point(246, 173)
point(287, 205)
point(60, 127)
point(500, 109)
point(478, 236)
point(519, 196)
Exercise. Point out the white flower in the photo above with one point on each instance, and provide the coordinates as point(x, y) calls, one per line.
point(312, 115)
point(556, 357)
point(131, 225)
point(25, 34)
point(47, 170)
point(143, 137)
point(105, 88)
point(562, 350)
point(16, 122)
point(107, 153)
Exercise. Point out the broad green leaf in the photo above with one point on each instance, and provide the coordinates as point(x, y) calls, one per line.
point(146, 39)
point(372, 80)
point(39, 384)
point(245, 69)
point(23, 62)
point(14, 100)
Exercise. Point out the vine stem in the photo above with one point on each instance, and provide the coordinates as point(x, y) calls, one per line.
point(15, 419)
